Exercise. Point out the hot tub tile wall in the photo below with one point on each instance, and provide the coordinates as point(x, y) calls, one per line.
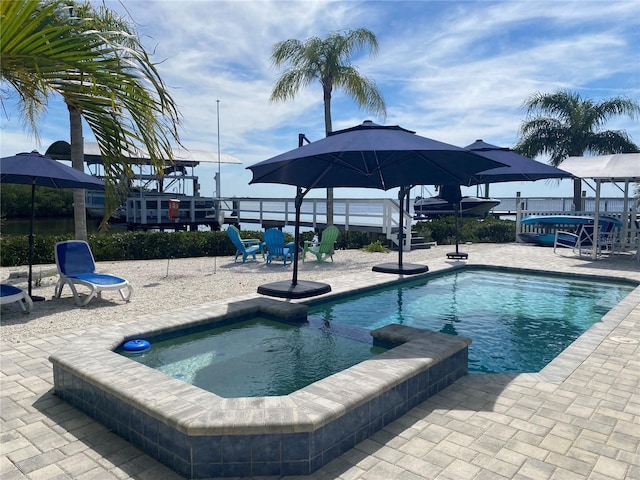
point(200, 435)
point(255, 455)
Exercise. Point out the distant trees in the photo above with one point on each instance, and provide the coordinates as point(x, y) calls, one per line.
point(563, 124)
point(328, 61)
point(50, 202)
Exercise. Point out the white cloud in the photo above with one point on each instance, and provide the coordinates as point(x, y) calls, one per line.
point(453, 71)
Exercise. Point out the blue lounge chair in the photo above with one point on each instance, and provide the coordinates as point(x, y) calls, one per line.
point(10, 294)
point(244, 247)
point(76, 266)
point(327, 240)
point(276, 248)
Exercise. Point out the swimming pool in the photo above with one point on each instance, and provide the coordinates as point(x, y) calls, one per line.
point(202, 435)
point(258, 357)
point(518, 322)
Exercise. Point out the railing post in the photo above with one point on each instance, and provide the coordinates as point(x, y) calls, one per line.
point(286, 213)
point(315, 215)
point(407, 224)
point(346, 215)
point(519, 208)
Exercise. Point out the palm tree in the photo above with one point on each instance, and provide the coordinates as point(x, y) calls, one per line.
point(98, 65)
point(563, 124)
point(329, 62)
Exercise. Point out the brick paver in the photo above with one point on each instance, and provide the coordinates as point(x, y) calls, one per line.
point(584, 424)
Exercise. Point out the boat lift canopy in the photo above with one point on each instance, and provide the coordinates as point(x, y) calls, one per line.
point(619, 167)
point(61, 150)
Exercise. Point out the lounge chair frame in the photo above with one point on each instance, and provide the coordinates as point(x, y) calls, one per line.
point(76, 266)
point(12, 294)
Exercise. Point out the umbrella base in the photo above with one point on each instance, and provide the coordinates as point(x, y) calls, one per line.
point(37, 298)
point(285, 289)
point(404, 269)
point(458, 255)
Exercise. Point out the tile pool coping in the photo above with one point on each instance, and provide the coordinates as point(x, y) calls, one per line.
point(557, 370)
point(200, 434)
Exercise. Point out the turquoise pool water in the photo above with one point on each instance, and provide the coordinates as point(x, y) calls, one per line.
point(258, 357)
point(518, 323)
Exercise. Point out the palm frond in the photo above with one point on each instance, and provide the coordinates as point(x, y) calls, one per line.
point(362, 89)
point(96, 62)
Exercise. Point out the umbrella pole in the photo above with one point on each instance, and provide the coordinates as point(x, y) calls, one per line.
point(304, 289)
point(33, 213)
point(35, 298)
point(401, 196)
point(400, 268)
point(456, 216)
point(457, 254)
point(298, 203)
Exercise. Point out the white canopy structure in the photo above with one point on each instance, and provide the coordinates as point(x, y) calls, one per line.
point(61, 150)
point(616, 168)
point(619, 167)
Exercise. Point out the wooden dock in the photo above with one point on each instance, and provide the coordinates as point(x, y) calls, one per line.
point(366, 215)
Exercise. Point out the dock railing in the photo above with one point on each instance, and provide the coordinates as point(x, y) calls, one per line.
point(379, 215)
point(374, 215)
point(546, 205)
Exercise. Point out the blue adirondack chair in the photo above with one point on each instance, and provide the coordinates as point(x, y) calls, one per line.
point(244, 247)
point(276, 248)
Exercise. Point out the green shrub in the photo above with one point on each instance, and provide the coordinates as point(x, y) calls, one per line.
point(14, 249)
point(118, 246)
point(496, 231)
point(487, 230)
point(376, 246)
point(345, 241)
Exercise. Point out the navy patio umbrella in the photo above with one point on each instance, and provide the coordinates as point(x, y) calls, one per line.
point(365, 156)
point(517, 168)
point(36, 169)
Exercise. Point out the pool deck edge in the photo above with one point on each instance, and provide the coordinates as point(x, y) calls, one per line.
point(490, 425)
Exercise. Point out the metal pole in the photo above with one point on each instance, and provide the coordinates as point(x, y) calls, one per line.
point(456, 212)
point(31, 226)
point(218, 202)
point(296, 235)
point(218, 177)
point(401, 195)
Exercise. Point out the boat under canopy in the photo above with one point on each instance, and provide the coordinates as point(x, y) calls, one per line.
point(436, 207)
point(544, 227)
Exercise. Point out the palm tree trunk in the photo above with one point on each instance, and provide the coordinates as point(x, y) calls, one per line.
point(77, 161)
point(328, 129)
point(577, 195)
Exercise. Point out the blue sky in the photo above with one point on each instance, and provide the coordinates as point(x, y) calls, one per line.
point(451, 71)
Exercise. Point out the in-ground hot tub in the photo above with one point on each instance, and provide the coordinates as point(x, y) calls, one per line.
point(200, 434)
